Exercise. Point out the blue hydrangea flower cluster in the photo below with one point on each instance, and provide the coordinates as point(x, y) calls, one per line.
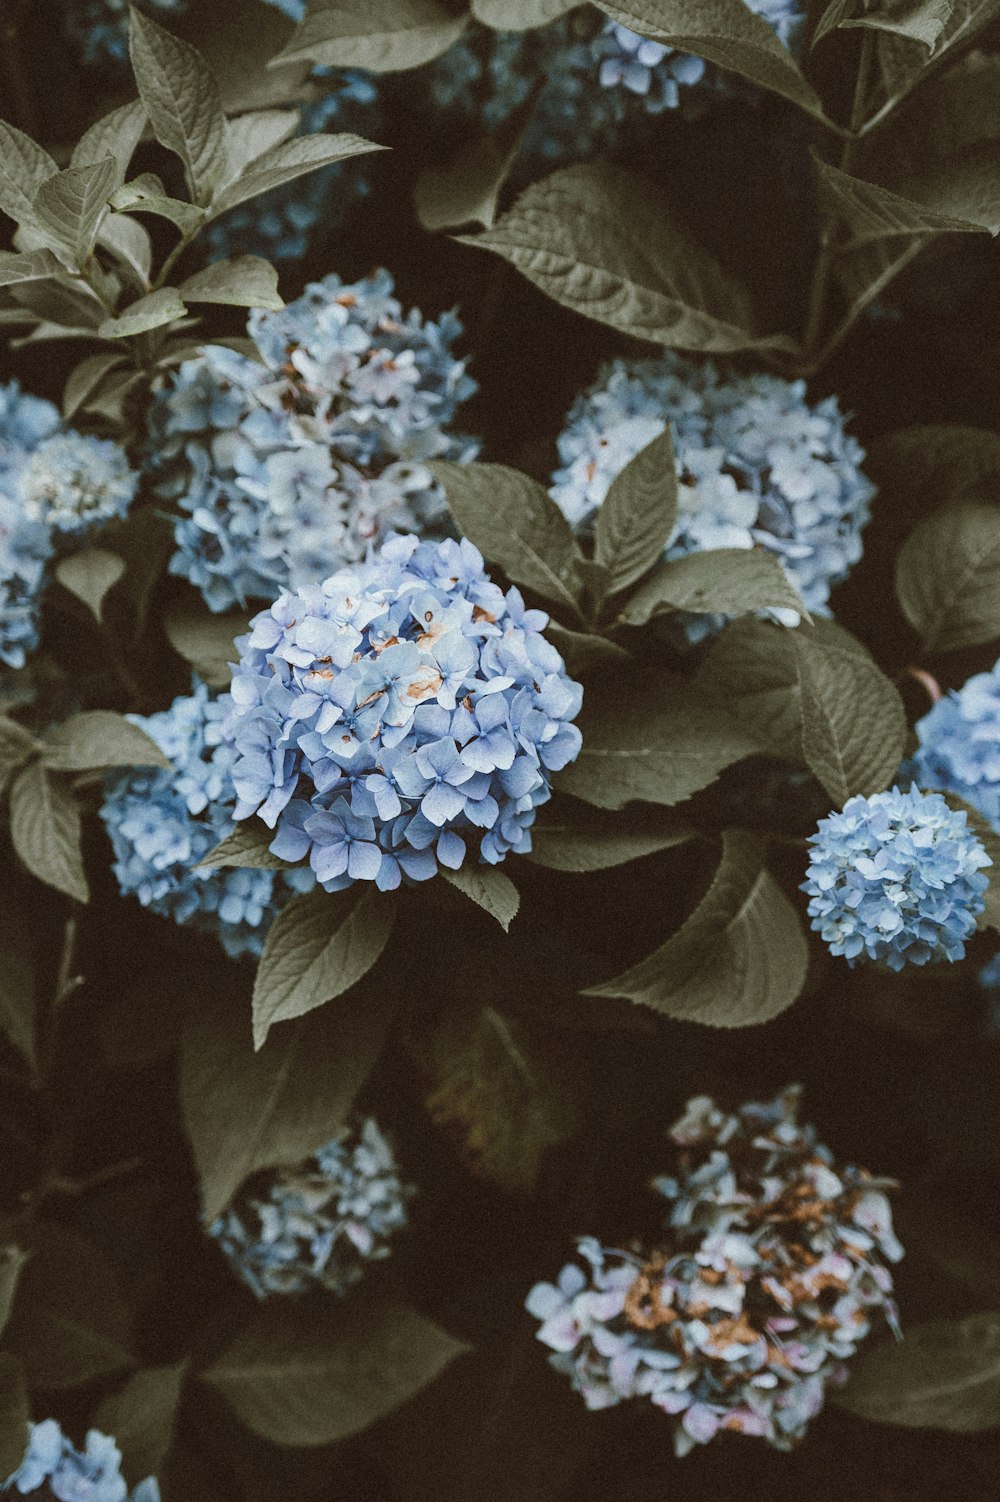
point(320, 1223)
point(401, 715)
point(773, 1268)
point(757, 465)
point(162, 823)
point(896, 878)
point(959, 750)
point(73, 482)
point(100, 27)
point(592, 77)
point(288, 469)
point(280, 224)
point(70, 1475)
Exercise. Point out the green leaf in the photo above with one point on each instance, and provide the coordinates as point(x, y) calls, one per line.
point(467, 189)
point(82, 382)
point(245, 1111)
point(318, 947)
point(15, 1414)
point(730, 581)
point(638, 514)
point(145, 195)
point(182, 101)
point(287, 162)
point(504, 1090)
point(943, 1375)
point(128, 241)
point(62, 301)
point(12, 1261)
point(206, 642)
point(31, 266)
point(489, 889)
point(580, 839)
point(69, 1325)
point(990, 841)
point(659, 746)
point(939, 462)
point(253, 134)
point(116, 135)
point(739, 959)
point(871, 213)
point(922, 21)
point(242, 282)
point(903, 62)
point(141, 1417)
point(948, 577)
point(381, 36)
point(45, 829)
point(514, 522)
point(604, 243)
point(313, 1375)
point(92, 573)
point(585, 653)
point(98, 739)
point(519, 15)
point(17, 975)
point(16, 746)
point(247, 846)
point(150, 312)
point(727, 33)
point(832, 18)
point(24, 167)
point(68, 207)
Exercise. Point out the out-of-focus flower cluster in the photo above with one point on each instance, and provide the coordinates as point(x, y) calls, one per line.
point(402, 714)
point(584, 78)
point(100, 27)
point(70, 1475)
point(897, 878)
point(757, 465)
point(318, 1224)
point(288, 469)
point(772, 1270)
point(53, 484)
point(162, 823)
point(959, 749)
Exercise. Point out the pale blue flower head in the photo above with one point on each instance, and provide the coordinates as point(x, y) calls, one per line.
point(25, 542)
point(959, 749)
point(162, 823)
point(320, 1223)
point(92, 1474)
point(773, 1267)
point(896, 878)
point(100, 27)
point(288, 469)
point(74, 482)
point(403, 715)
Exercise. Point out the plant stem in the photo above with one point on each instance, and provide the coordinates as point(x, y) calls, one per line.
point(174, 256)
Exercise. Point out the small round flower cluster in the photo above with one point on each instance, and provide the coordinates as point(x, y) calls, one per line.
point(396, 715)
point(757, 465)
point(318, 1224)
point(772, 1270)
point(73, 482)
point(896, 878)
point(959, 749)
point(161, 824)
point(100, 27)
point(71, 1475)
point(290, 468)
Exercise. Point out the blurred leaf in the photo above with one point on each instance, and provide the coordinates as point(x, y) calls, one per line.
point(69, 1325)
point(726, 32)
point(242, 282)
point(853, 721)
point(729, 581)
point(381, 36)
point(45, 829)
point(939, 462)
point(585, 653)
point(116, 135)
point(660, 747)
point(948, 577)
point(519, 15)
point(585, 839)
point(287, 162)
point(24, 166)
point(89, 575)
point(922, 21)
point(990, 841)
point(467, 189)
point(150, 312)
point(69, 206)
point(944, 1375)
point(61, 301)
point(318, 947)
point(17, 974)
point(16, 746)
point(245, 1110)
point(128, 241)
point(248, 845)
point(514, 522)
point(146, 195)
point(31, 266)
point(98, 739)
point(206, 642)
point(603, 242)
point(110, 399)
point(739, 959)
point(313, 1374)
point(12, 1262)
point(489, 889)
point(83, 380)
point(141, 1417)
point(638, 514)
point(505, 1090)
point(15, 1414)
point(182, 101)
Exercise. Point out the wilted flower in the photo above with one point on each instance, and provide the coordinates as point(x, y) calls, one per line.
point(399, 716)
point(70, 1475)
point(73, 482)
point(289, 469)
point(896, 877)
point(757, 465)
point(319, 1223)
point(161, 824)
point(773, 1268)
